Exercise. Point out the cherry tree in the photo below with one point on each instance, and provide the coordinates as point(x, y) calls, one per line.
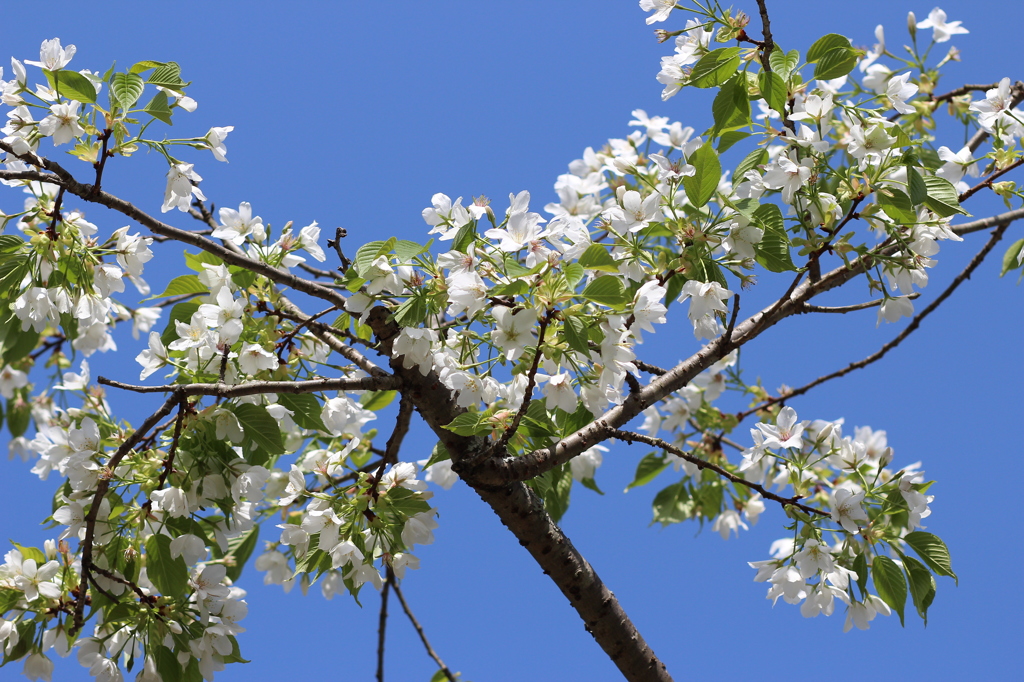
point(514, 336)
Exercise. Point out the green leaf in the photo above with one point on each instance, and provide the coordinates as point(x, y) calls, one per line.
point(860, 567)
point(647, 470)
point(471, 424)
point(12, 271)
point(1010, 257)
point(305, 409)
point(933, 552)
point(592, 485)
point(181, 312)
point(606, 290)
point(166, 663)
point(168, 574)
point(159, 108)
point(73, 85)
point(412, 311)
point(127, 88)
point(377, 400)
point(260, 427)
point(890, 583)
point(701, 186)
point(915, 183)
point(596, 257)
point(897, 205)
point(836, 63)
point(438, 454)
point(825, 44)
point(942, 197)
point(195, 261)
point(10, 243)
point(240, 549)
point(576, 334)
point(167, 75)
point(772, 252)
point(18, 344)
point(729, 139)
point(406, 250)
point(369, 252)
point(783, 63)
point(731, 108)
point(181, 285)
point(143, 66)
point(715, 68)
point(573, 273)
point(922, 586)
point(773, 90)
point(750, 161)
point(571, 423)
point(672, 505)
point(18, 417)
point(556, 497)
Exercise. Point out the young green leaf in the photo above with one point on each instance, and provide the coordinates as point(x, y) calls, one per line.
point(701, 186)
point(890, 583)
point(715, 68)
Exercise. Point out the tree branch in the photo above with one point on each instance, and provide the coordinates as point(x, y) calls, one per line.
point(419, 630)
point(89, 193)
point(383, 623)
point(101, 491)
point(997, 234)
point(522, 512)
point(630, 436)
point(259, 387)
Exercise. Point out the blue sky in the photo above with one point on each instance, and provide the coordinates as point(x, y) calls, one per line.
point(354, 114)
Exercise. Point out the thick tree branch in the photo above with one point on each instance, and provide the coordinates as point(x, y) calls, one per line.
point(522, 512)
point(494, 471)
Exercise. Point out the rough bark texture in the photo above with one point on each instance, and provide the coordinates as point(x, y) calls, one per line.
point(522, 512)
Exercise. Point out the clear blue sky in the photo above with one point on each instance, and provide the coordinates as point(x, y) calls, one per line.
point(354, 114)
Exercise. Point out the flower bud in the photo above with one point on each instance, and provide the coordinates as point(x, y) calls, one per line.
point(912, 25)
point(50, 549)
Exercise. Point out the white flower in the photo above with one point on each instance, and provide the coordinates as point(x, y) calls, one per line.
point(586, 463)
point(941, 29)
point(705, 299)
point(180, 188)
point(11, 379)
point(215, 139)
point(728, 521)
point(52, 56)
point(661, 9)
point(253, 358)
point(898, 90)
point(419, 529)
point(786, 433)
point(558, 391)
point(515, 330)
point(62, 123)
point(237, 225)
point(846, 509)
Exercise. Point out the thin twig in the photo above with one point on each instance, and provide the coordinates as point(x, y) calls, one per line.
point(101, 490)
point(531, 381)
point(419, 631)
point(997, 234)
point(987, 182)
point(766, 32)
point(808, 308)
point(630, 436)
point(382, 624)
